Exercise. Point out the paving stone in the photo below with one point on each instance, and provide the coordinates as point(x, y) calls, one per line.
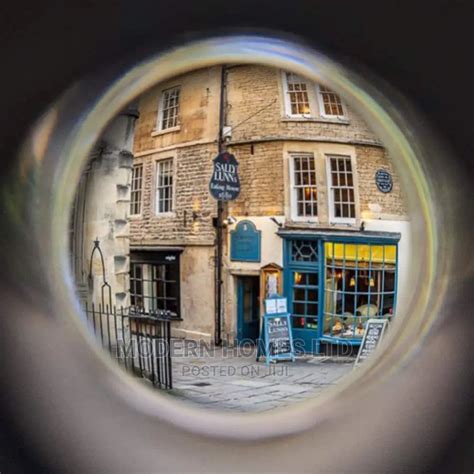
point(231, 381)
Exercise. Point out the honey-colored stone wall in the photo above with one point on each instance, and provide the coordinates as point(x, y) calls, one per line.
point(261, 176)
point(193, 208)
point(256, 110)
point(374, 203)
point(198, 115)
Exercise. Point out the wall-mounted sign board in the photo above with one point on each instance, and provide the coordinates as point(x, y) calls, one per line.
point(276, 342)
point(225, 184)
point(245, 242)
point(384, 181)
point(374, 331)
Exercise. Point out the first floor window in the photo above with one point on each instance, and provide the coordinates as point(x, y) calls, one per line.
point(154, 286)
point(136, 190)
point(297, 99)
point(305, 192)
point(330, 103)
point(359, 285)
point(164, 186)
point(169, 115)
point(341, 189)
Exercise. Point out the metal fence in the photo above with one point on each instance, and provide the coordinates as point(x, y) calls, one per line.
point(140, 342)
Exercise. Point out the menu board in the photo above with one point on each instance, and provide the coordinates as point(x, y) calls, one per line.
point(279, 341)
point(373, 334)
point(276, 306)
point(276, 341)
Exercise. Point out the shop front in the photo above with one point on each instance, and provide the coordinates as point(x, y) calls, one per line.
point(155, 281)
point(335, 282)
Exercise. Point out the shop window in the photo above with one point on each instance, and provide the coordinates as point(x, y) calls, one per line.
point(304, 250)
point(305, 300)
point(155, 287)
point(296, 96)
point(330, 103)
point(164, 186)
point(304, 192)
point(169, 108)
point(341, 189)
point(136, 190)
point(360, 283)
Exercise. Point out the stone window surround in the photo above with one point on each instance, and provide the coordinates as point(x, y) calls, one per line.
point(293, 200)
point(331, 203)
point(320, 152)
point(316, 106)
point(159, 130)
point(136, 190)
point(156, 159)
point(320, 94)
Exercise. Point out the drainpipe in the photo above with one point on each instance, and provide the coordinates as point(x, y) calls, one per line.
point(219, 225)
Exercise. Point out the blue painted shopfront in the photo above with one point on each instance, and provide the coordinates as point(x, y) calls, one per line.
point(336, 282)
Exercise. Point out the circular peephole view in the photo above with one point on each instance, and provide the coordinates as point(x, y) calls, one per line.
point(238, 238)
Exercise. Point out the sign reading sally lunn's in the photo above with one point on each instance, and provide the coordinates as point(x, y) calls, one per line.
point(225, 184)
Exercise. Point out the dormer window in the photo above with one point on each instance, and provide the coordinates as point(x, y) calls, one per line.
point(330, 104)
point(297, 102)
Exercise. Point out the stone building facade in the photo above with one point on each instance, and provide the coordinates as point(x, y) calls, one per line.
point(100, 217)
point(326, 228)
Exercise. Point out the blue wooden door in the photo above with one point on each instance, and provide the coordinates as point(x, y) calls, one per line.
point(248, 309)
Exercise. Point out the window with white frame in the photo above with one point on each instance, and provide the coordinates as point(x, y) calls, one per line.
point(304, 192)
point(330, 103)
point(136, 190)
point(169, 110)
point(164, 186)
point(296, 95)
point(341, 189)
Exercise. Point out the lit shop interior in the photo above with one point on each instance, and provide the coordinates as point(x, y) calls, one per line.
point(334, 285)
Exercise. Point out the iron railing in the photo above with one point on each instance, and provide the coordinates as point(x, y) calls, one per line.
point(139, 341)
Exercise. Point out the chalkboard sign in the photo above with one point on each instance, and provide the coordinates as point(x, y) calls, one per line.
point(278, 335)
point(373, 334)
point(276, 341)
point(384, 181)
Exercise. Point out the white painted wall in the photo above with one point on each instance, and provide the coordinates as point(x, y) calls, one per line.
point(272, 244)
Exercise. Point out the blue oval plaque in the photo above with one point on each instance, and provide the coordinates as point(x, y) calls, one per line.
point(384, 181)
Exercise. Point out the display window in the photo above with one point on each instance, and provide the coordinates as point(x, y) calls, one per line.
point(360, 283)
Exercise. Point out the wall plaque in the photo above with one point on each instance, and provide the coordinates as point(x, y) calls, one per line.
point(245, 242)
point(384, 181)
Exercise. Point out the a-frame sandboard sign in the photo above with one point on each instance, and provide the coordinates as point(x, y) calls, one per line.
point(276, 339)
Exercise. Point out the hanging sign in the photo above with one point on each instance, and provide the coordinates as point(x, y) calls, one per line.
point(373, 334)
point(277, 341)
point(224, 184)
point(245, 242)
point(384, 181)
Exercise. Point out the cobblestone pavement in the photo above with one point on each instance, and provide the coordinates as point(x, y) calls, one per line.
point(231, 379)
